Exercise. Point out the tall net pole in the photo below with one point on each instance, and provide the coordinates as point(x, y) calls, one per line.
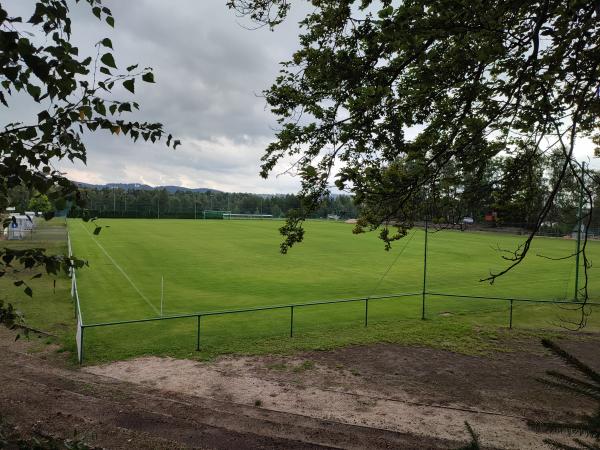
point(424, 292)
point(579, 224)
point(162, 294)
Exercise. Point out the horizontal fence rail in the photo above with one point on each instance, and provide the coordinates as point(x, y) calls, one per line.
point(516, 299)
point(245, 310)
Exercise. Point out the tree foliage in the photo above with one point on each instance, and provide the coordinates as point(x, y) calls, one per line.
point(74, 95)
point(389, 99)
point(184, 204)
point(39, 203)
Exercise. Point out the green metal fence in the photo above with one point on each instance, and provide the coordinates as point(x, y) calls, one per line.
point(294, 306)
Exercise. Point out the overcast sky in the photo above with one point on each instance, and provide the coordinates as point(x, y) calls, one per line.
point(209, 72)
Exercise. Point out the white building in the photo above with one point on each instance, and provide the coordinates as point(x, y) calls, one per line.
point(20, 226)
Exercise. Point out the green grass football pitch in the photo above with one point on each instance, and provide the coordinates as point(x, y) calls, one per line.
point(221, 265)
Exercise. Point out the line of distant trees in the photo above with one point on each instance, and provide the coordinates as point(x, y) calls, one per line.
point(511, 194)
point(155, 203)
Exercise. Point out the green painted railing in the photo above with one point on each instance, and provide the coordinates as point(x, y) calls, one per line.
point(293, 306)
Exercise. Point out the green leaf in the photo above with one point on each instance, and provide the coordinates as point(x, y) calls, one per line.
point(11, 72)
point(38, 15)
point(111, 21)
point(309, 172)
point(96, 10)
point(386, 12)
point(130, 68)
point(28, 133)
point(129, 85)
point(34, 91)
point(148, 77)
point(92, 126)
point(108, 60)
point(105, 70)
point(107, 43)
point(28, 291)
point(85, 111)
point(44, 115)
point(100, 108)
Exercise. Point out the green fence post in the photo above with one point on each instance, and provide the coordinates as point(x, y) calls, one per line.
point(424, 271)
point(511, 315)
point(198, 335)
point(291, 321)
point(366, 311)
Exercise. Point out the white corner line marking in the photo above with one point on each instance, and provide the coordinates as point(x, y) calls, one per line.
point(120, 269)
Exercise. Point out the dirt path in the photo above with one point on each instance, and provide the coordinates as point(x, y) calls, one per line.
point(382, 396)
point(41, 397)
point(417, 391)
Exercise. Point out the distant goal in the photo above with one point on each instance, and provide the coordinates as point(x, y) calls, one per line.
point(212, 214)
point(231, 216)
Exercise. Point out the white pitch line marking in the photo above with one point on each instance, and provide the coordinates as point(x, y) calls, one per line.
point(120, 269)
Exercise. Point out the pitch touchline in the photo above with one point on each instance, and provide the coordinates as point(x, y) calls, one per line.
point(120, 269)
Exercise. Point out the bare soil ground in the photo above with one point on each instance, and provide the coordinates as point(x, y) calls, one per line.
point(382, 396)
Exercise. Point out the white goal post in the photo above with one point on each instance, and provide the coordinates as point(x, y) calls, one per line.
point(214, 214)
point(231, 216)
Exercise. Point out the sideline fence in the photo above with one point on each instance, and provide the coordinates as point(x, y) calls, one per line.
point(199, 315)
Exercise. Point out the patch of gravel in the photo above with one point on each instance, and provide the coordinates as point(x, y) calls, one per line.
point(419, 391)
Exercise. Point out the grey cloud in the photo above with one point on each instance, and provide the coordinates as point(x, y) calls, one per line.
point(217, 164)
point(208, 70)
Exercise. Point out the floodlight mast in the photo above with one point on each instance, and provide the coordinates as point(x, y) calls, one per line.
point(579, 223)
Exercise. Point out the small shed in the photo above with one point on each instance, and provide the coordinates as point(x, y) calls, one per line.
point(20, 226)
